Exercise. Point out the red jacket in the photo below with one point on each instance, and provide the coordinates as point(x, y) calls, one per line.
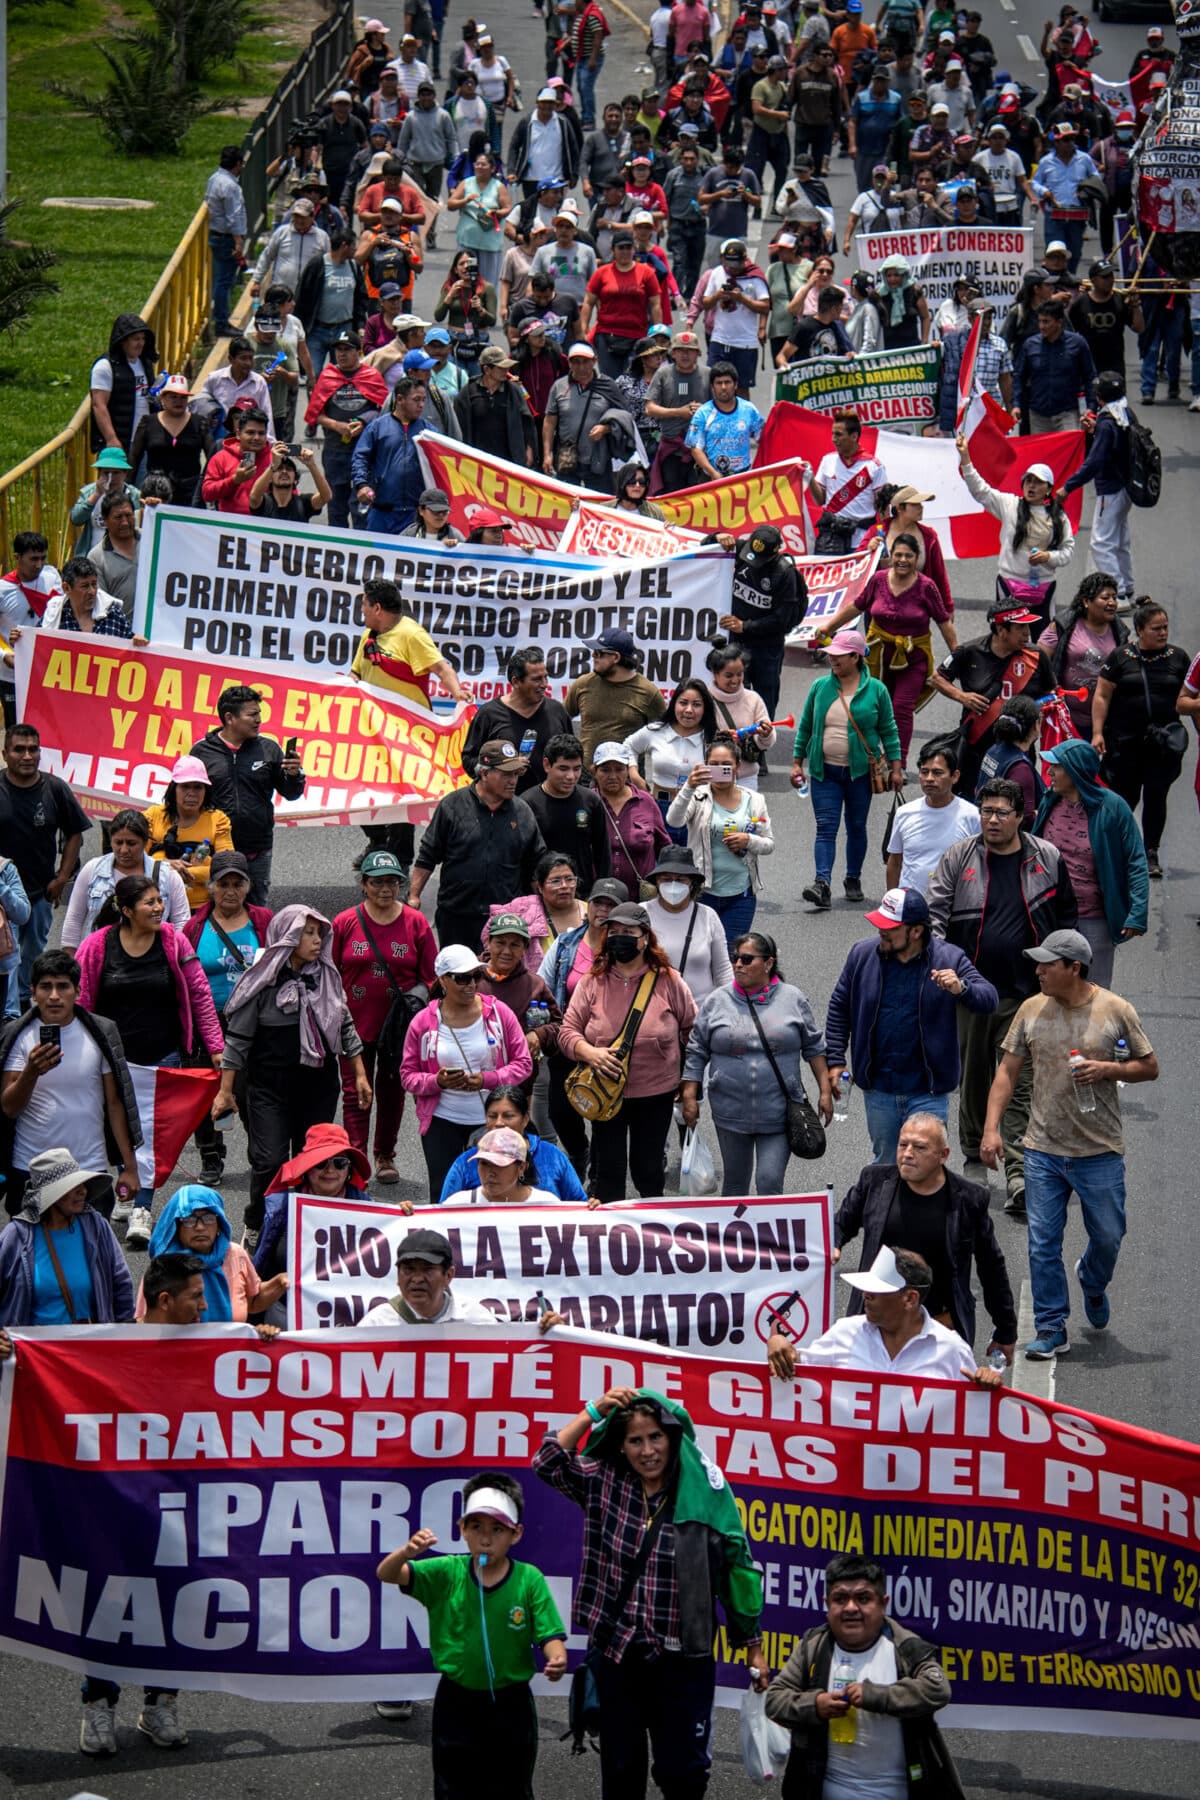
point(220, 489)
point(369, 382)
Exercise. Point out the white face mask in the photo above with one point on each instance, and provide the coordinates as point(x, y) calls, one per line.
point(674, 893)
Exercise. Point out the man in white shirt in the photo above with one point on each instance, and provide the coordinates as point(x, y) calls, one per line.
point(883, 1680)
point(734, 297)
point(924, 828)
point(893, 1334)
point(845, 485)
point(425, 1273)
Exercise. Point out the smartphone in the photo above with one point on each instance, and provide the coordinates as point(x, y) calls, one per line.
point(51, 1034)
point(294, 449)
point(289, 749)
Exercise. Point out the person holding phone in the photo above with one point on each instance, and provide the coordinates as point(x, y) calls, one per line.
point(276, 495)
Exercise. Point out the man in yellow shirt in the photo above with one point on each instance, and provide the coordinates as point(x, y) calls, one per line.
point(397, 654)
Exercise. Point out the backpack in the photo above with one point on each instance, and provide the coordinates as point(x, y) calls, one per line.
point(1144, 482)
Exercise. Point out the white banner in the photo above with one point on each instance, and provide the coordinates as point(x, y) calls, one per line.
point(604, 531)
point(831, 581)
point(228, 587)
point(994, 257)
point(699, 1275)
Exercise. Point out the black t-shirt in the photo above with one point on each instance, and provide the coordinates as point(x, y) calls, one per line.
point(812, 338)
point(32, 822)
point(560, 317)
point(301, 508)
point(917, 1222)
point(1165, 670)
point(976, 669)
point(1007, 930)
point(1103, 324)
point(576, 828)
point(138, 994)
point(348, 403)
point(531, 735)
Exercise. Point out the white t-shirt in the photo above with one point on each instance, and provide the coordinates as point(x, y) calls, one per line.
point(921, 833)
point(739, 327)
point(101, 378)
point(660, 27)
point(872, 1767)
point(492, 78)
point(456, 1307)
point(833, 475)
point(466, 1047)
point(1004, 170)
point(476, 1197)
point(66, 1106)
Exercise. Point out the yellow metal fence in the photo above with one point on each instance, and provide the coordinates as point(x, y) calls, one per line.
point(38, 494)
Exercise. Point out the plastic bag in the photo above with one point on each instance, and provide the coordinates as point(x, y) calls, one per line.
point(697, 1170)
point(765, 1746)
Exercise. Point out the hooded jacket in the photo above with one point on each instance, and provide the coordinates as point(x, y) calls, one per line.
point(419, 1063)
point(1113, 834)
point(1107, 460)
point(854, 1009)
point(244, 783)
point(165, 1241)
point(122, 401)
point(112, 1288)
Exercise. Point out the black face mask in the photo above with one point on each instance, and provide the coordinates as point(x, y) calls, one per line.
point(622, 946)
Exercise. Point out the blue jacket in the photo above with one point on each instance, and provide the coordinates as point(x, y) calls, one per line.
point(112, 1288)
point(551, 1170)
point(385, 458)
point(1049, 378)
point(854, 1008)
point(1117, 847)
point(1107, 460)
point(270, 1256)
point(557, 963)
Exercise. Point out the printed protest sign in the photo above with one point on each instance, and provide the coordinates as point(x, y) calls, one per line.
point(700, 1274)
point(831, 581)
point(883, 388)
point(1053, 1556)
point(114, 719)
point(603, 531)
point(994, 257)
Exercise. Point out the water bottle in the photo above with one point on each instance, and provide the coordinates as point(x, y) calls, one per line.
point(997, 1360)
point(1121, 1055)
point(528, 740)
point(841, 1099)
point(1084, 1095)
point(842, 1730)
point(800, 783)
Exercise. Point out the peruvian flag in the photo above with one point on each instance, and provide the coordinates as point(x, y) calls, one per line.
point(966, 373)
point(931, 466)
point(170, 1103)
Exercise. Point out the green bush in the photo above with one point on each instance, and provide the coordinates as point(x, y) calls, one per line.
point(144, 111)
point(23, 277)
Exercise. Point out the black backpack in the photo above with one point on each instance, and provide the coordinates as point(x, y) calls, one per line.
point(1144, 482)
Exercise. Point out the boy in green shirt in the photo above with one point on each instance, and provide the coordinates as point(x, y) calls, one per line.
point(485, 1614)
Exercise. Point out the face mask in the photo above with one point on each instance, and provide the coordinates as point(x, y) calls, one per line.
point(674, 892)
point(1124, 137)
point(622, 946)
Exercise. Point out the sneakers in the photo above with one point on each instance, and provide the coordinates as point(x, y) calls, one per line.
point(98, 1729)
point(161, 1725)
point(1095, 1306)
point(1147, 399)
point(1153, 866)
point(121, 1212)
point(250, 1237)
point(399, 1712)
point(817, 894)
point(212, 1163)
point(137, 1232)
point(1195, 406)
point(852, 888)
point(1015, 1204)
point(1047, 1344)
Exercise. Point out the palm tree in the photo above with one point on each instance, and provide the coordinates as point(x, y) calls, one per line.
point(23, 278)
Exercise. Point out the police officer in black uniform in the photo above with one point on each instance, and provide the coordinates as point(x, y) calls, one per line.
point(769, 601)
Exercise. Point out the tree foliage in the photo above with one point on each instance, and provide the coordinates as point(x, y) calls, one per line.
point(24, 280)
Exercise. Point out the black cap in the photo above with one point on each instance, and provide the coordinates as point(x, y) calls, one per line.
point(228, 862)
point(622, 237)
point(609, 888)
point(347, 337)
point(763, 543)
point(630, 912)
point(425, 1246)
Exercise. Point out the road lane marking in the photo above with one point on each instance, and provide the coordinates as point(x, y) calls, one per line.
point(1026, 43)
point(1030, 1377)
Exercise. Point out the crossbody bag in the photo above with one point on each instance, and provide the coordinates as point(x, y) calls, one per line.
point(1170, 740)
point(595, 1095)
point(877, 766)
point(403, 1009)
point(805, 1132)
point(61, 1279)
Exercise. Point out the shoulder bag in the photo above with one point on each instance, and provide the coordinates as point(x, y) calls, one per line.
point(687, 942)
point(1170, 740)
point(749, 749)
point(403, 1009)
point(593, 1094)
point(646, 889)
point(805, 1132)
point(877, 765)
point(583, 1706)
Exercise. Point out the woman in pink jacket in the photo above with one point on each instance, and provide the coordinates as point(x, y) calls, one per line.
point(144, 975)
point(458, 1048)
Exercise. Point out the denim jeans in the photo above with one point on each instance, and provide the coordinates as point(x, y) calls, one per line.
point(1099, 1182)
point(586, 80)
point(1070, 231)
point(33, 935)
point(886, 1113)
point(260, 875)
point(735, 911)
point(1168, 338)
point(224, 274)
point(836, 789)
point(320, 343)
point(746, 1153)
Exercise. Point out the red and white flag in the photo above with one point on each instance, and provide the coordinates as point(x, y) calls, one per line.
point(930, 465)
point(966, 373)
point(170, 1103)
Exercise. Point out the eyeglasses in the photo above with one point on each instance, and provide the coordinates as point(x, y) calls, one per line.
point(340, 1163)
point(744, 956)
point(998, 812)
point(201, 1218)
point(466, 980)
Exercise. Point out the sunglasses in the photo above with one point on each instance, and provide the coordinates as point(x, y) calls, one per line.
point(742, 957)
point(335, 1162)
point(466, 980)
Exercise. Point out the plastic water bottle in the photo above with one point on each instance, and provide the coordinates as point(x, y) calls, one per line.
point(997, 1360)
point(528, 740)
point(841, 1099)
point(842, 1730)
point(1121, 1055)
point(1084, 1096)
point(801, 786)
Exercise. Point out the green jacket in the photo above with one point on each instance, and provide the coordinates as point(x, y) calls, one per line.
point(871, 709)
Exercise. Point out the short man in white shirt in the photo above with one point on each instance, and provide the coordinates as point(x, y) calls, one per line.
point(893, 1680)
point(893, 1334)
point(924, 828)
point(734, 297)
point(845, 485)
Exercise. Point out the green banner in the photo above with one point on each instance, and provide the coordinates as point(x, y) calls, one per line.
point(889, 386)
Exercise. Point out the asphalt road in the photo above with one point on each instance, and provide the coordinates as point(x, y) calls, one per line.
point(1145, 1368)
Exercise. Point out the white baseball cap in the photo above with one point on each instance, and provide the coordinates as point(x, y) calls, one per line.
point(457, 959)
point(883, 1277)
point(614, 751)
point(492, 1504)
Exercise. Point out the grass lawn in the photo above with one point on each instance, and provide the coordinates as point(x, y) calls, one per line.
point(110, 261)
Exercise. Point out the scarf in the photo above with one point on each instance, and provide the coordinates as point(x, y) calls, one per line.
point(761, 995)
point(164, 1241)
point(896, 295)
point(315, 992)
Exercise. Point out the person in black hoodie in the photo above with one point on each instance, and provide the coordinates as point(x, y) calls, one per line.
point(247, 771)
point(120, 383)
